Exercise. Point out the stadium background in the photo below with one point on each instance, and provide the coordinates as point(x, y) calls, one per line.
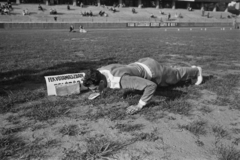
point(208, 5)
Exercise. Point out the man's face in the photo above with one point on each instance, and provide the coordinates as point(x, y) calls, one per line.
point(92, 80)
point(90, 84)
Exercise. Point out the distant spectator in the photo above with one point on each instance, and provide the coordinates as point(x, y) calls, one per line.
point(68, 7)
point(6, 11)
point(133, 10)
point(101, 13)
point(189, 8)
point(152, 16)
point(5, 8)
point(221, 17)
point(25, 12)
point(71, 28)
point(113, 9)
point(203, 13)
point(176, 15)
point(40, 8)
point(10, 6)
point(161, 12)
point(53, 11)
point(153, 4)
point(208, 15)
point(81, 5)
point(82, 30)
point(235, 25)
point(87, 13)
point(169, 16)
point(180, 15)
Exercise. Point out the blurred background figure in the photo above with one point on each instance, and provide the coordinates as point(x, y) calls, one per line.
point(82, 30)
point(71, 28)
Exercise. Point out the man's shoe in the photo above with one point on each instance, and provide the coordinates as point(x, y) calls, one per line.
point(200, 77)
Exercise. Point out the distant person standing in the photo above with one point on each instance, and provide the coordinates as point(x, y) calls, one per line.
point(235, 25)
point(68, 7)
point(133, 10)
point(203, 12)
point(208, 15)
point(40, 7)
point(169, 16)
point(81, 5)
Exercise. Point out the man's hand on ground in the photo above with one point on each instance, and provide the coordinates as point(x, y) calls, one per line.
point(133, 109)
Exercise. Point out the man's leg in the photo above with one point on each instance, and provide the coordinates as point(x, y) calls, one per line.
point(175, 75)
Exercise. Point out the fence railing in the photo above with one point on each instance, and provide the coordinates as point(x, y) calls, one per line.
point(76, 18)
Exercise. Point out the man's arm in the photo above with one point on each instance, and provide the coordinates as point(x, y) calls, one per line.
point(138, 83)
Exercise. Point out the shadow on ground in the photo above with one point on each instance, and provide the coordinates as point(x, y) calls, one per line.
point(18, 79)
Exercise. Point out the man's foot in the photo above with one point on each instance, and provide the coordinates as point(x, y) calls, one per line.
point(200, 77)
point(133, 109)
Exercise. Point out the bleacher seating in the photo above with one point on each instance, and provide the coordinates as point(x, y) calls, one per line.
point(122, 15)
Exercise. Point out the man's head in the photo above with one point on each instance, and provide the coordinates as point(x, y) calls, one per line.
point(94, 80)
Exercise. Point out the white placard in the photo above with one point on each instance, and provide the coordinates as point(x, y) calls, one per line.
point(52, 81)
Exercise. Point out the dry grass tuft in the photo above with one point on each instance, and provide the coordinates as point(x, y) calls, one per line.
point(112, 113)
point(225, 88)
point(96, 148)
point(49, 110)
point(71, 130)
point(9, 145)
point(151, 137)
point(196, 127)
point(219, 131)
point(7, 103)
point(129, 127)
point(12, 146)
point(12, 130)
point(205, 109)
point(228, 153)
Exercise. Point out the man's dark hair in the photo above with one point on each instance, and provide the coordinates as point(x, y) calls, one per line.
point(92, 76)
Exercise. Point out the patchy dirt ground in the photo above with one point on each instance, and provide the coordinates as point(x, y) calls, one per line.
point(183, 122)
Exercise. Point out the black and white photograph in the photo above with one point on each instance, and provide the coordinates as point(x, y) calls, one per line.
point(119, 79)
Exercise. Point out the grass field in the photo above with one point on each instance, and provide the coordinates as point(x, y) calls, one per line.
point(181, 122)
